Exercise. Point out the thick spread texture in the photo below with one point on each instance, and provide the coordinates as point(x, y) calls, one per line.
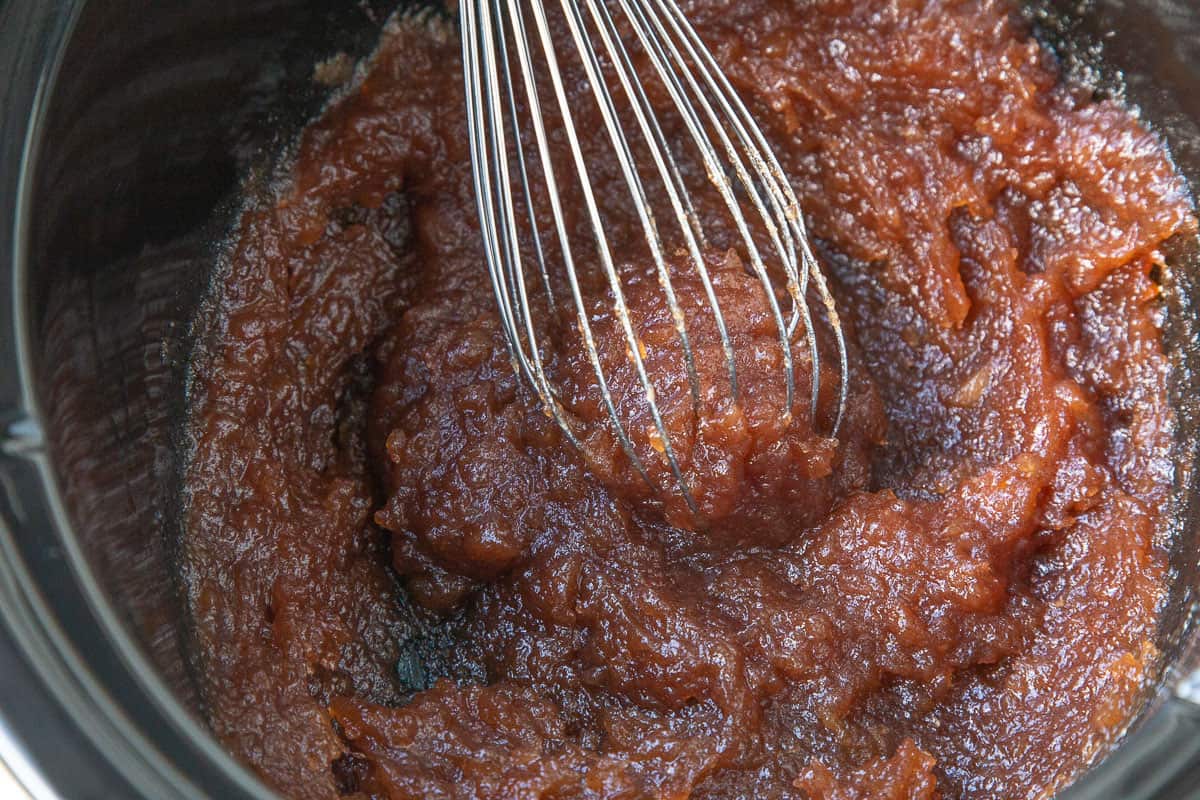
point(404, 582)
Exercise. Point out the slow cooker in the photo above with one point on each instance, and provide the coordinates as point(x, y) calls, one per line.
point(125, 129)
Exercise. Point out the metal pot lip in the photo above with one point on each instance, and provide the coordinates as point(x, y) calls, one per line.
point(15, 759)
point(62, 677)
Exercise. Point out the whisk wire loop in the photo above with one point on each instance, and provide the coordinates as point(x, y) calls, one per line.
point(665, 53)
point(504, 92)
point(604, 252)
point(782, 189)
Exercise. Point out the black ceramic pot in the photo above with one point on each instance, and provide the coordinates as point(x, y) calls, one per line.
point(124, 128)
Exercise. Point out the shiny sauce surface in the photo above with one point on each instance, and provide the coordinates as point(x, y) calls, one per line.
point(404, 583)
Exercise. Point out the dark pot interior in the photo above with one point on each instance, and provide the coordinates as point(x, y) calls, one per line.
point(126, 129)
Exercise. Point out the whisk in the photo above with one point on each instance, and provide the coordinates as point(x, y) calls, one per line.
point(511, 60)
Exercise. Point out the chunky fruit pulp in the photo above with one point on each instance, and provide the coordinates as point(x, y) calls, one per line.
point(404, 583)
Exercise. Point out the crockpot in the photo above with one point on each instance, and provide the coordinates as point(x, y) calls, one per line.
point(125, 129)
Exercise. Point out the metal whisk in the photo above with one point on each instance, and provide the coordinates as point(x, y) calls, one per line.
point(510, 56)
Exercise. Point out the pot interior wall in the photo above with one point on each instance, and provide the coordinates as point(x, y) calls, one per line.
point(158, 111)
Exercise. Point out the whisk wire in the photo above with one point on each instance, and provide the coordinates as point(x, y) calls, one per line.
point(791, 206)
point(519, 149)
point(480, 105)
point(685, 214)
point(778, 218)
point(508, 276)
point(532, 98)
point(728, 144)
point(633, 181)
point(604, 252)
point(642, 21)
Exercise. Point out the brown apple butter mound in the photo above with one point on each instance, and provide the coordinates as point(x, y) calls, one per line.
point(405, 583)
